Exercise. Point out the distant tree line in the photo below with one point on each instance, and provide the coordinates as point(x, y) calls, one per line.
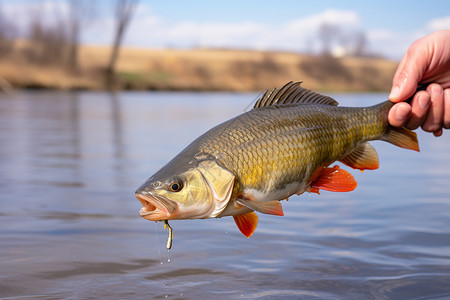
point(58, 42)
point(337, 42)
point(334, 43)
point(8, 33)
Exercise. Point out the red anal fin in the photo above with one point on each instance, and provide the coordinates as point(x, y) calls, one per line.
point(246, 223)
point(314, 190)
point(334, 180)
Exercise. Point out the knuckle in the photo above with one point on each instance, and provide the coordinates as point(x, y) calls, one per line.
point(435, 89)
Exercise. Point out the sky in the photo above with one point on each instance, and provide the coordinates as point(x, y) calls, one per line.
point(283, 25)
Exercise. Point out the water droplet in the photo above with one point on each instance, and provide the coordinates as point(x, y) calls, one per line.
point(168, 260)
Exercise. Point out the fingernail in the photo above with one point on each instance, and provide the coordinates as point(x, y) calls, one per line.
point(424, 101)
point(402, 113)
point(436, 90)
point(395, 92)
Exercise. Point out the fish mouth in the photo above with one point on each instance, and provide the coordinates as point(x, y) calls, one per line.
point(155, 207)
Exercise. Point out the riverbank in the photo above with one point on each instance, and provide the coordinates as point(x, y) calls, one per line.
point(201, 70)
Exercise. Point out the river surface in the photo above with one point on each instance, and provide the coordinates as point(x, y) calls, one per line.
point(69, 224)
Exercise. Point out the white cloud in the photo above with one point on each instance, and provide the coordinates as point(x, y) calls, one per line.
point(394, 44)
point(438, 24)
point(340, 18)
point(381, 34)
point(292, 35)
point(390, 43)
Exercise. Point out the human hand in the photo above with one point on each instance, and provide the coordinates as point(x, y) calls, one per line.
point(426, 61)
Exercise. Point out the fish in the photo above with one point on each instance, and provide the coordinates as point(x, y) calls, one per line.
point(284, 145)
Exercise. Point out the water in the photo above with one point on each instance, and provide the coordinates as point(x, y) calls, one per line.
point(69, 229)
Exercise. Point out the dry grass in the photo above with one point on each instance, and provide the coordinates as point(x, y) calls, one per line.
point(204, 69)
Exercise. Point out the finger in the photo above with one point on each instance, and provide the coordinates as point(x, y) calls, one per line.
point(420, 104)
point(438, 133)
point(446, 109)
point(433, 121)
point(399, 114)
point(399, 81)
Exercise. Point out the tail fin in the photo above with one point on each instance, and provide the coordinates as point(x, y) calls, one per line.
point(401, 137)
point(398, 136)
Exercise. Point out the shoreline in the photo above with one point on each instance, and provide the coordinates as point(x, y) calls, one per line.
point(200, 70)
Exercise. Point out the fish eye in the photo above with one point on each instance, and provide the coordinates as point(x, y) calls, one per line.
point(176, 186)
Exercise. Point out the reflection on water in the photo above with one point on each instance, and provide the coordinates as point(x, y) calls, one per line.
point(69, 228)
point(100, 268)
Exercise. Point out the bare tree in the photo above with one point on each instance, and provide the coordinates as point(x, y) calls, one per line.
point(74, 33)
point(352, 42)
point(124, 12)
point(80, 13)
point(327, 33)
point(8, 32)
point(48, 41)
point(360, 44)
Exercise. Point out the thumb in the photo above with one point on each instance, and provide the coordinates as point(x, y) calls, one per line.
point(402, 89)
point(409, 73)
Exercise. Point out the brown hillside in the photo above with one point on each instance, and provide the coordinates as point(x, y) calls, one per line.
point(202, 69)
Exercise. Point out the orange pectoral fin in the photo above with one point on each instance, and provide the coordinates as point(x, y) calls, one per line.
point(334, 180)
point(246, 223)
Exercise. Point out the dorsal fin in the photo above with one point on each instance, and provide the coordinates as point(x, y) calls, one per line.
point(291, 93)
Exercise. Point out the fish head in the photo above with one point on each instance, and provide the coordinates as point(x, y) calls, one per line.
point(202, 189)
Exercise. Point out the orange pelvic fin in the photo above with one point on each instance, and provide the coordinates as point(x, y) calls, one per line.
point(364, 157)
point(269, 207)
point(246, 223)
point(334, 180)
